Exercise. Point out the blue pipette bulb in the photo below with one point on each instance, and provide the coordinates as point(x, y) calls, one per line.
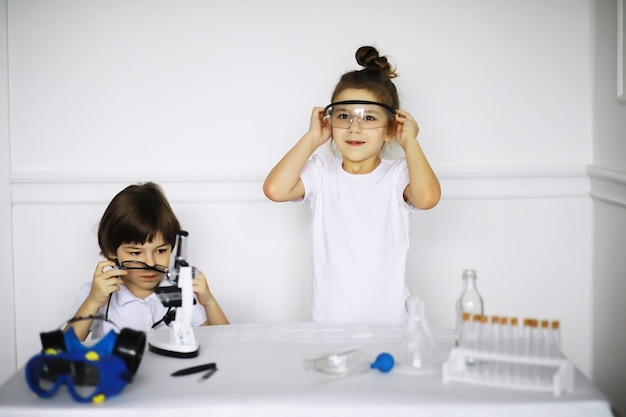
point(384, 362)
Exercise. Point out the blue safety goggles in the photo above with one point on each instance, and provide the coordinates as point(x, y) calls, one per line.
point(91, 373)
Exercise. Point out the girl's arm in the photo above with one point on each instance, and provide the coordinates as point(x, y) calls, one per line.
point(283, 182)
point(103, 285)
point(423, 190)
point(213, 311)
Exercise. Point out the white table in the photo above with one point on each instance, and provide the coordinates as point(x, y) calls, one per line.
point(261, 373)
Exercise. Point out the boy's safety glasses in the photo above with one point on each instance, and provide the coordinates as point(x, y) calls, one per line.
point(142, 265)
point(370, 114)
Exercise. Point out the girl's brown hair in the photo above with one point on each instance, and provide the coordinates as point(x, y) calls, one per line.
point(375, 77)
point(137, 214)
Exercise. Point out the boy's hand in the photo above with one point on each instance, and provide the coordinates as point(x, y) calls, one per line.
point(406, 128)
point(105, 282)
point(201, 289)
point(214, 312)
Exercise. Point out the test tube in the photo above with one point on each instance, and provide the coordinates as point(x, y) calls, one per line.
point(556, 337)
point(545, 329)
point(505, 368)
point(516, 349)
point(483, 344)
point(536, 349)
point(546, 373)
point(472, 337)
point(494, 341)
point(485, 335)
point(496, 334)
point(525, 350)
point(474, 334)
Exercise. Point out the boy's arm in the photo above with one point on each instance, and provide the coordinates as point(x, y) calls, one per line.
point(103, 285)
point(214, 314)
point(283, 182)
point(423, 190)
point(83, 327)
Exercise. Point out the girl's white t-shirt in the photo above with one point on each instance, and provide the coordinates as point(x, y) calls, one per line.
point(359, 240)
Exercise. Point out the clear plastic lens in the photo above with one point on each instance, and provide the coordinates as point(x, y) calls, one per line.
point(369, 116)
point(340, 363)
point(83, 377)
point(85, 391)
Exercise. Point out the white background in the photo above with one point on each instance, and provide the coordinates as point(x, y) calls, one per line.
point(518, 113)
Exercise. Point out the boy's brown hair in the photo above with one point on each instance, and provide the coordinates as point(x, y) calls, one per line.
point(137, 214)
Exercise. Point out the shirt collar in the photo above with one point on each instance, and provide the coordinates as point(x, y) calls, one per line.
point(124, 296)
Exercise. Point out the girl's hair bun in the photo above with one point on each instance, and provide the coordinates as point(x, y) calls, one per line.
point(369, 58)
point(375, 77)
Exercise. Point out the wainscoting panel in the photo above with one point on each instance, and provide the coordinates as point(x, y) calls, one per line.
point(526, 230)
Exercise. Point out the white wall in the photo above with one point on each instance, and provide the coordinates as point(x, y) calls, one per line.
point(492, 83)
point(7, 306)
point(204, 97)
point(608, 175)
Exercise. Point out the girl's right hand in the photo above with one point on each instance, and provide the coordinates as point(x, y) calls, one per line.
point(106, 280)
point(319, 130)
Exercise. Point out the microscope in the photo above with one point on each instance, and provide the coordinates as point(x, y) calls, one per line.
point(180, 341)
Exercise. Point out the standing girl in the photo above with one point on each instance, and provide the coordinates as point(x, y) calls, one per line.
point(360, 203)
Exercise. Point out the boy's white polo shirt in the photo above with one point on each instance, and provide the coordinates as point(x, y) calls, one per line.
point(127, 310)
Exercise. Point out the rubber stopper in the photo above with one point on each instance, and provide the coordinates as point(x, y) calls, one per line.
point(384, 362)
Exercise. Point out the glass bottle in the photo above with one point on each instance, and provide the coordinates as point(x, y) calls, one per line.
point(470, 300)
point(464, 330)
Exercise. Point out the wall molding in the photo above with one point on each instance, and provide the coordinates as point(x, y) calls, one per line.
point(98, 188)
point(525, 182)
point(607, 185)
point(458, 183)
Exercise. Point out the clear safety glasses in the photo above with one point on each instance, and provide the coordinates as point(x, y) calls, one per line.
point(370, 114)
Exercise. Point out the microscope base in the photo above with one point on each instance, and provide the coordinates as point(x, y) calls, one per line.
point(167, 348)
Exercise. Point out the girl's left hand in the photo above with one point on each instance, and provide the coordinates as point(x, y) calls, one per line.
point(201, 288)
point(406, 128)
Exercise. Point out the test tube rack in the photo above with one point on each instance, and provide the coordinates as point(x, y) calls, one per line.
point(463, 365)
